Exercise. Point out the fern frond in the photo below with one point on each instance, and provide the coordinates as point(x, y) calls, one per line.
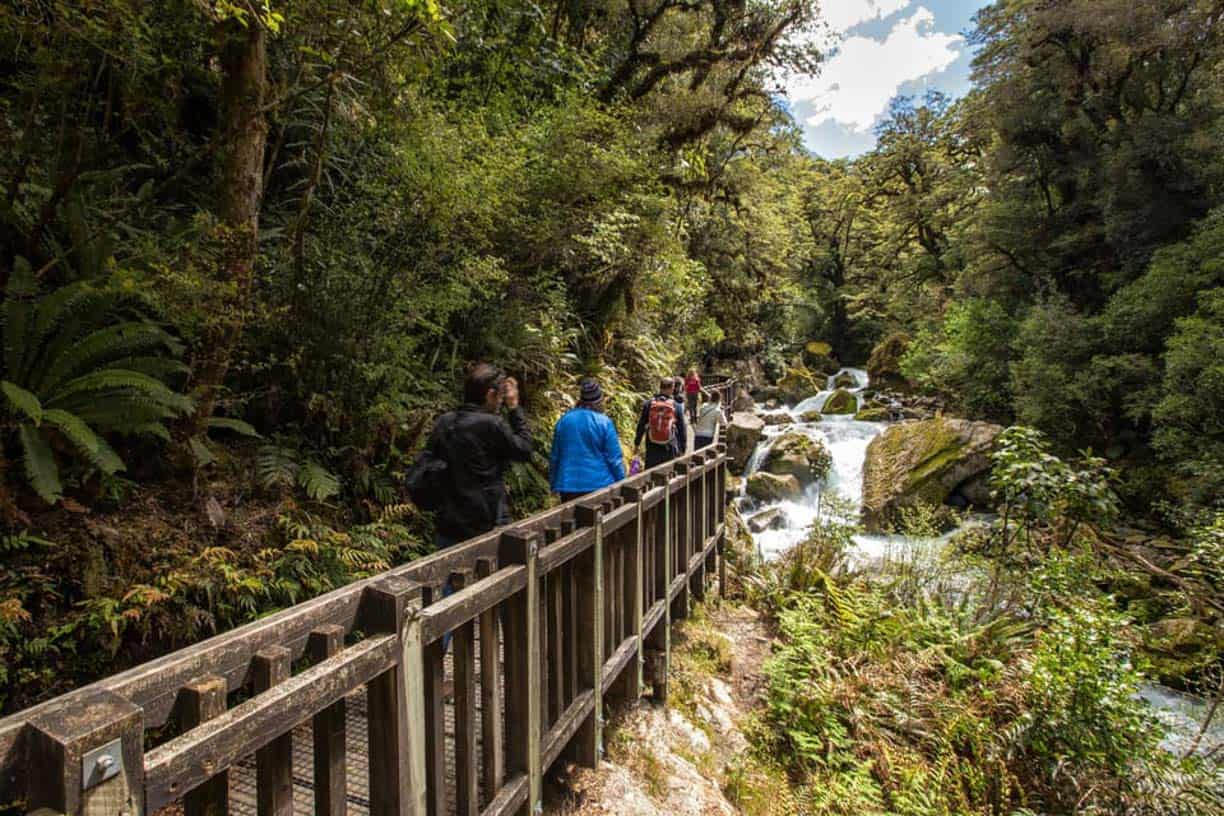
point(276, 466)
point(40, 467)
point(52, 312)
point(94, 447)
point(162, 368)
point(203, 455)
point(92, 352)
point(319, 483)
point(22, 401)
point(18, 314)
point(109, 379)
point(235, 425)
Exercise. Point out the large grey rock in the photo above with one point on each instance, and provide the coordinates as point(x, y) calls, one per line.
point(771, 519)
point(924, 463)
point(744, 433)
point(840, 401)
point(799, 455)
point(768, 487)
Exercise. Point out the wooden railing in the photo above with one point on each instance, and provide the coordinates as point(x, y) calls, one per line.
point(549, 617)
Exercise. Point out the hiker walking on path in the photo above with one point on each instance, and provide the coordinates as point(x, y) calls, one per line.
point(663, 417)
point(692, 393)
point(586, 450)
point(477, 444)
point(709, 420)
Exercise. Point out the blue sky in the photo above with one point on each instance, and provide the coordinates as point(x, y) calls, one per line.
point(876, 50)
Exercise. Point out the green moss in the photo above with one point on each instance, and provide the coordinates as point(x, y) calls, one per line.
point(840, 401)
point(873, 415)
point(799, 383)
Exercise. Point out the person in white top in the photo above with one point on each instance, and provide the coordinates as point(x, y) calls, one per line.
point(709, 419)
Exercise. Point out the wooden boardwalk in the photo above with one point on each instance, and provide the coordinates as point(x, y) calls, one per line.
point(350, 704)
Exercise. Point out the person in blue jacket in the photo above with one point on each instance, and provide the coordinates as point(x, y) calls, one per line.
point(586, 450)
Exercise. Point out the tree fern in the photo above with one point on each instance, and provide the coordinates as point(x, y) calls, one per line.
point(81, 364)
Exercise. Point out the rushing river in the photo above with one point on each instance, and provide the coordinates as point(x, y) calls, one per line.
point(846, 440)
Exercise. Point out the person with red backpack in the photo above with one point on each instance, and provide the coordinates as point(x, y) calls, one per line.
point(662, 425)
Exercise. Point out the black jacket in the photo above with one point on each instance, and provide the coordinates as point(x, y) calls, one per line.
point(477, 447)
point(679, 440)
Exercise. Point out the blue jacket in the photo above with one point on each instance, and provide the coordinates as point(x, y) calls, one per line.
point(586, 453)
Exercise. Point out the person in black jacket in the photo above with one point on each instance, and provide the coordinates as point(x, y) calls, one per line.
point(657, 454)
point(478, 444)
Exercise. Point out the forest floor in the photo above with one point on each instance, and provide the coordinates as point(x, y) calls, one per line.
point(692, 756)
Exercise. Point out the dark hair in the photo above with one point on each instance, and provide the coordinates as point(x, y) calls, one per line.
point(715, 396)
point(480, 379)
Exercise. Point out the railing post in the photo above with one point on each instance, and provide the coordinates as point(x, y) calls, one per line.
point(683, 544)
point(658, 659)
point(631, 683)
point(199, 702)
point(395, 702)
point(274, 762)
point(720, 501)
point(492, 759)
point(698, 496)
point(467, 781)
point(523, 702)
point(88, 759)
point(328, 732)
point(588, 744)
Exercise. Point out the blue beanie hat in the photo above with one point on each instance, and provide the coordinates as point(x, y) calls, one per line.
point(590, 392)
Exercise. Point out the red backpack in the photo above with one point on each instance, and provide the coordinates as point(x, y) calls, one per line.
point(662, 421)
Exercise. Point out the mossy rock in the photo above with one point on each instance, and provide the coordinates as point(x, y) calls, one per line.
point(873, 415)
point(884, 364)
point(1180, 648)
point(799, 455)
point(811, 416)
point(917, 463)
point(798, 384)
point(768, 487)
point(845, 381)
point(818, 356)
point(744, 433)
point(839, 402)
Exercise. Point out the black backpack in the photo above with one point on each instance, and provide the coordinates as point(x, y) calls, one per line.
point(428, 480)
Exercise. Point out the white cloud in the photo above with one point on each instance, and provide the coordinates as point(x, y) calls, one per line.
point(857, 82)
point(843, 15)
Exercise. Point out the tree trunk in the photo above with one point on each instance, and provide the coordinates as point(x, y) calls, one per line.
point(244, 139)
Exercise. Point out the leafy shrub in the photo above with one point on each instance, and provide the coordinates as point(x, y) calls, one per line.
point(965, 358)
point(79, 364)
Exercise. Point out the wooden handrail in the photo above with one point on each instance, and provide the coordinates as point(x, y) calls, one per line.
point(583, 595)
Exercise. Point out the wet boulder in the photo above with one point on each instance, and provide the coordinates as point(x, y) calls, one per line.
point(771, 519)
point(884, 365)
point(777, 420)
point(924, 463)
point(840, 401)
point(811, 416)
point(845, 380)
point(875, 414)
point(744, 433)
point(799, 455)
point(798, 384)
point(769, 487)
point(1181, 647)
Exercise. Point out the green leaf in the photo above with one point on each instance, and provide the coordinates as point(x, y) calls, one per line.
point(200, 451)
point(235, 425)
point(40, 467)
point(109, 379)
point(23, 401)
point(319, 483)
point(89, 443)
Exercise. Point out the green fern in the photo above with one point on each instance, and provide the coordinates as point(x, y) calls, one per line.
point(80, 365)
point(278, 467)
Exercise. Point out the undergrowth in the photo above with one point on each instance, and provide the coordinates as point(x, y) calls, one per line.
point(930, 687)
